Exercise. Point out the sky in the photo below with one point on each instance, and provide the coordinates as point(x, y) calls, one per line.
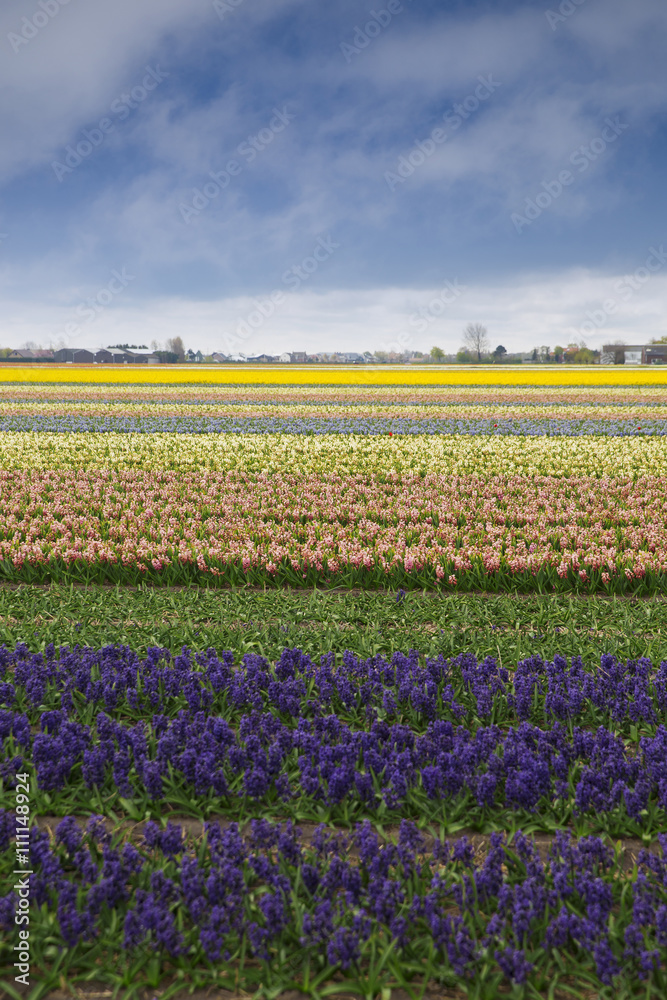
point(268, 175)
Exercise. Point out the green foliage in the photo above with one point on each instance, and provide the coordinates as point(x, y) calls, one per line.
point(367, 622)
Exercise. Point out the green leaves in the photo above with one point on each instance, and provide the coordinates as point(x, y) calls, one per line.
point(319, 620)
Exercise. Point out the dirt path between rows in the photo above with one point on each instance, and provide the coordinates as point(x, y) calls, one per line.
point(481, 842)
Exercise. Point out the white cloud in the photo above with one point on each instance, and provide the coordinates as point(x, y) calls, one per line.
point(325, 173)
point(66, 76)
point(532, 310)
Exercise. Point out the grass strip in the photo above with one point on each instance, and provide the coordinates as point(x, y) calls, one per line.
point(368, 623)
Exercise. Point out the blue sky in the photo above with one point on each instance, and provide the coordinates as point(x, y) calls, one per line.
point(267, 175)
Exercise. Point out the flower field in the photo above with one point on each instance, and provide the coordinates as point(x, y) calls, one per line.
point(456, 488)
point(349, 901)
point(387, 375)
point(337, 688)
point(333, 410)
point(479, 533)
point(462, 741)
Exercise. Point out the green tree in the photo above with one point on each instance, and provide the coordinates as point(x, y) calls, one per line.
point(437, 353)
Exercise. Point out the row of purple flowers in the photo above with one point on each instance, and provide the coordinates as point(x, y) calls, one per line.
point(75, 423)
point(235, 904)
point(409, 688)
point(443, 773)
point(444, 739)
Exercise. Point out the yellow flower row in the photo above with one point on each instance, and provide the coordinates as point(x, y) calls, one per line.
point(546, 375)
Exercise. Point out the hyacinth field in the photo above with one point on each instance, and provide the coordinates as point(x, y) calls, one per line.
point(343, 689)
point(336, 486)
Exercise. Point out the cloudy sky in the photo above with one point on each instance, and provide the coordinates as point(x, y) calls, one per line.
point(268, 175)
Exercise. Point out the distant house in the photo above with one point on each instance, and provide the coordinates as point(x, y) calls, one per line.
point(285, 357)
point(262, 358)
point(116, 356)
point(143, 357)
point(655, 354)
point(21, 356)
point(26, 355)
point(76, 355)
point(195, 356)
point(219, 358)
point(112, 356)
point(634, 354)
point(353, 358)
point(298, 357)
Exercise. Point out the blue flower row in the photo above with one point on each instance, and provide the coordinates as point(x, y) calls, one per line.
point(360, 738)
point(361, 690)
point(236, 903)
point(72, 424)
point(325, 761)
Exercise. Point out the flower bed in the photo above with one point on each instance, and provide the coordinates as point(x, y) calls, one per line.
point(494, 532)
point(330, 410)
point(455, 743)
point(238, 910)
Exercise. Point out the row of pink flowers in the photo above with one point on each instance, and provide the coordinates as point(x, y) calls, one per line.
point(332, 394)
point(505, 523)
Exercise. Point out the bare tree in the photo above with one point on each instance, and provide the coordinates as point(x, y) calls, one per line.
point(175, 345)
point(475, 337)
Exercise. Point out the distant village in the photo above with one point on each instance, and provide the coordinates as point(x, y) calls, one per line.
point(653, 353)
